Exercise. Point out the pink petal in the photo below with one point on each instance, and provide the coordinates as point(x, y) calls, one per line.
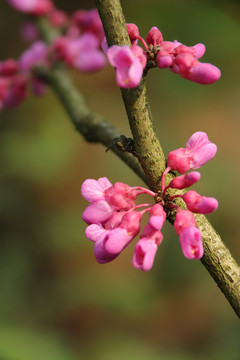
point(112, 54)
point(97, 212)
point(116, 240)
point(102, 256)
point(104, 183)
point(144, 254)
point(203, 155)
point(191, 243)
point(184, 181)
point(200, 50)
point(95, 232)
point(89, 61)
point(184, 219)
point(91, 190)
point(197, 140)
point(204, 74)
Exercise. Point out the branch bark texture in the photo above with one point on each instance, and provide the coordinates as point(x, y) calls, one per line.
point(217, 259)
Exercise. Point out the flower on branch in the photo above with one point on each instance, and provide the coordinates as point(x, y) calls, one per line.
point(113, 217)
point(179, 58)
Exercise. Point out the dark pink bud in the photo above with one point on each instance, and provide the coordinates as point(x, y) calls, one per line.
point(184, 181)
point(154, 37)
point(184, 219)
point(8, 67)
point(133, 33)
point(199, 204)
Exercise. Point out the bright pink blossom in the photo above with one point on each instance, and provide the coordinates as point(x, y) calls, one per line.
point(144, 254)
point(184, 181)
point(184, 219)
point(35, 55)
point(198, 151)
point(191, 243)
point(199, 204)
point(34, 7)
point(129, 63)
point(82, 53)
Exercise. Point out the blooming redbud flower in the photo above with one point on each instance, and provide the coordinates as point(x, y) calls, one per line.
point(34, 7)
point(129, 63)
point(197, 152)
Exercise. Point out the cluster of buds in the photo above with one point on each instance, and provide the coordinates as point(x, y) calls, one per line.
point(114, 220)
point(130, 62)
point(79, 47)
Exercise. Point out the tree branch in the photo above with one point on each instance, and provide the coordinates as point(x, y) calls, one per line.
point(217, 258)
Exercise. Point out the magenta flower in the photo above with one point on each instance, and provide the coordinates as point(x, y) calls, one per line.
point(114, 220)
point(191, 243)
point(197, 152)
point(34, 7)
point(199, 204)
point(179, 58)
point(184, 181)
point(35, 55)
point(82, 53)
point(129, 64)
point(144, 253)
point(184, 219)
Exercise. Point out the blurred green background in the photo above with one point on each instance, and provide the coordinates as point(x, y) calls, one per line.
point(56, 301)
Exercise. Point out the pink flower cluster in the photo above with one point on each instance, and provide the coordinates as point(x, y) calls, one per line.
point(114, 220)
point(180, 59)
point(79, 48)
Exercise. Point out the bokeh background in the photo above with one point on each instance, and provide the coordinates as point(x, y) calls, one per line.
point(56, 301)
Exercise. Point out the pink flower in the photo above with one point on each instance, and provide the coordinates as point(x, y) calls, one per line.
point(154, 37)
point(133, 33)
point(157, 216)
point(184, 181)
point(106, 199)
point(144, 254)
point(191, 243)
point(198, 151)
point(82, 53)
point(199, 204)
point(88, 21)
point(129, 64)
point(35, 55)
point(146, 248)
point(34, 7)
point(112, 237)
point(17, 91)
point(93, 190)
point(184, 219)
